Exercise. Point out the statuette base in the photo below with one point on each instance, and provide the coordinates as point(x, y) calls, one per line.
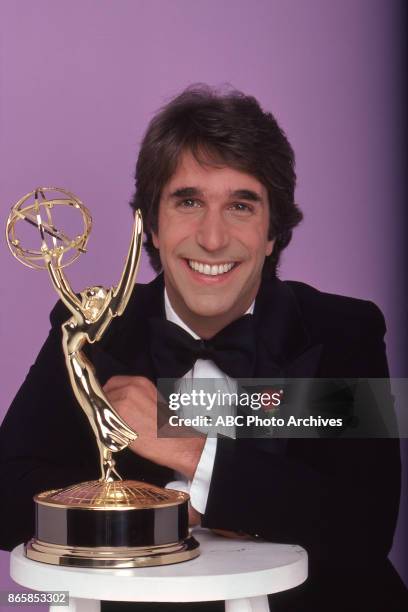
point(113, 557)
point(112, 524)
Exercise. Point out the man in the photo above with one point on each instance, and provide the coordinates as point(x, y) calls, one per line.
point(215, 182)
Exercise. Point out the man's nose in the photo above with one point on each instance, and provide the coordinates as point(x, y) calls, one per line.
point(212, 233)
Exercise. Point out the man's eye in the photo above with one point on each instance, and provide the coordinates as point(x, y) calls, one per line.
point(189, 203)
point(241, 207)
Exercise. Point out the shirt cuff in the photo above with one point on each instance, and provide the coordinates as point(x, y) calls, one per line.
point(200, 485)
point(178, 485)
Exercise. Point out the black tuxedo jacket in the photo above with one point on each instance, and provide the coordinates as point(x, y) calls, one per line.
point(338, 498)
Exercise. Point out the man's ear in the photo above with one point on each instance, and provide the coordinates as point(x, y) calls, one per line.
point(269, 247)
point(155, 240)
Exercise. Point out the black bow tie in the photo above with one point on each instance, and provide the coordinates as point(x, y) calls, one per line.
point(174, 351)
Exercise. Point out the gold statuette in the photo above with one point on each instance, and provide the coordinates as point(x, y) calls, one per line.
point(140, 524)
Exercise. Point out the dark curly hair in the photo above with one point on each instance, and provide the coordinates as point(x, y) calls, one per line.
point(227, 129)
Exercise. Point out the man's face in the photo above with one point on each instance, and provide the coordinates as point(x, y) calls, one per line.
point(213, 239)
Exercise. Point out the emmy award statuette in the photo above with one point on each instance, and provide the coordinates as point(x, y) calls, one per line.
point(108, 522)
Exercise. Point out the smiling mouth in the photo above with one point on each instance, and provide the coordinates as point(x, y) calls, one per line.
point(211, 269)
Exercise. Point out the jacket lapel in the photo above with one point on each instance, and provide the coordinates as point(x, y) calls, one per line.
point(284, 347)
point(285, 350)
point(124, 350)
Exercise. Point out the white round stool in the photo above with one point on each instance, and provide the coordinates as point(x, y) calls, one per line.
point(242, 572)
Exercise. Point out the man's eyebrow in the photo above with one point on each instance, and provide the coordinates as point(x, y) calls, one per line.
point(246, 194)
point(192, 192)
point(186, 192)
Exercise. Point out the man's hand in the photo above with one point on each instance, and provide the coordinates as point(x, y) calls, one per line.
point(135, 399)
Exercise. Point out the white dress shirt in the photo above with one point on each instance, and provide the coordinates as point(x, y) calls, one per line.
point(199, 487)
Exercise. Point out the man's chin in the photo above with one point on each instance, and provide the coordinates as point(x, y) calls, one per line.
point(211, 308)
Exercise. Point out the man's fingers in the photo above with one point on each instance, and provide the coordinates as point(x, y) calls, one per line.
point(118, 382)
point(116, 395)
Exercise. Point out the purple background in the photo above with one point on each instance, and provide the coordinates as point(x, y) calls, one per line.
point(80, 80)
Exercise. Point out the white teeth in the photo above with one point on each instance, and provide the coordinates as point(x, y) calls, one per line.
point(210, 270)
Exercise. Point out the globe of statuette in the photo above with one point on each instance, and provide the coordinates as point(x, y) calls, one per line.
point(38, 210)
